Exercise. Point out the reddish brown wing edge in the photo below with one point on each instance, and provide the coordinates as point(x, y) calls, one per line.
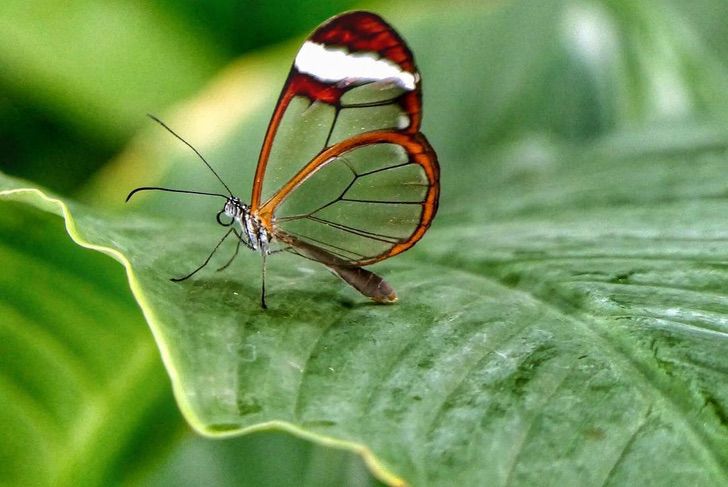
point(357, 31)
point(419, 152)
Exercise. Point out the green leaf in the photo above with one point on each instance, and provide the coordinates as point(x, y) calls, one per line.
point(584, 323)
point(562, 323)
point(99, 67)
point(86, 399)
point(264, 458)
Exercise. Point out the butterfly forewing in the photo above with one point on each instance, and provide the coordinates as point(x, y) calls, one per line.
point(343, 167)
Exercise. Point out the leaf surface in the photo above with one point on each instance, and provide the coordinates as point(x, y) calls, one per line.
point(562, 323)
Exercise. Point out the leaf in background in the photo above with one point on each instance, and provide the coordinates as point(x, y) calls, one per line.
point(264, 458)
point(78, 76)
point(80, 379)
point(239, 26)
point(564, 320)
point(100, 66)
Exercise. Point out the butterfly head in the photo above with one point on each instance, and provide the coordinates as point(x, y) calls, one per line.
point(233, 209)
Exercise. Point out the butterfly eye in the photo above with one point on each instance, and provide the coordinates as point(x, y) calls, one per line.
point(221, 221)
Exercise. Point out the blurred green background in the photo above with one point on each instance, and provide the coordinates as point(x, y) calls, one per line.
point(78, 77)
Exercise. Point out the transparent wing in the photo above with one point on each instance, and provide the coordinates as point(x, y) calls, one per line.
point(363, 200)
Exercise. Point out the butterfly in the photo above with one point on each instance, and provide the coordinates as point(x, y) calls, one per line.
point(344, 177)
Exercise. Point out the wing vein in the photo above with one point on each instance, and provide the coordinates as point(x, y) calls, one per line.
point(331, 246)
point(382, 201)
point(356, 231)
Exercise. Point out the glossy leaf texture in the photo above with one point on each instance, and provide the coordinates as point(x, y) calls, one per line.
point(564, 320)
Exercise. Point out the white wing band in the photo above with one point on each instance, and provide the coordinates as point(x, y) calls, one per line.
point(334, 65)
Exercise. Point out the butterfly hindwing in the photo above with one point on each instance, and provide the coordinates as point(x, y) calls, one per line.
point(371, 197)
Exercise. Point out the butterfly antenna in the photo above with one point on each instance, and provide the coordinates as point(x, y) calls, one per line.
point(191, 147)
point(171, 190)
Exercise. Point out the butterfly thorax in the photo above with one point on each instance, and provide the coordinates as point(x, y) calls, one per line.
point(254, 233)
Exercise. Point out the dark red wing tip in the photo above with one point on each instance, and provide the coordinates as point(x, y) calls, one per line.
point(361, 30)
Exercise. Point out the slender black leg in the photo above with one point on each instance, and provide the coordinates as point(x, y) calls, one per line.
point(262, 288)
point(237, 249)
point(178, 279)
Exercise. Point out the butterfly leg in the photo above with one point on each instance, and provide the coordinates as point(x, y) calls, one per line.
point(178, 279)
point(241, 240)
point(263, 305)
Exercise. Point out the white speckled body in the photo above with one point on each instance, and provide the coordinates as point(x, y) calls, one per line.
point(256, 236)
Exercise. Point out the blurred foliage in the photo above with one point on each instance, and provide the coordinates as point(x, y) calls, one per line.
point(78, 76)
point(82, 384)
point(238, 27)
point(591, 134)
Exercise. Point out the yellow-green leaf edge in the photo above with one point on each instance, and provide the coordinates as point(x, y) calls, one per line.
point(57, 206)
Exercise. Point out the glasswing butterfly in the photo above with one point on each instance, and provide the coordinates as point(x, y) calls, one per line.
point(344, 177)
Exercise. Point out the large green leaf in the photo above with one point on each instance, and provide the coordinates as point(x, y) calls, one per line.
point(584, 326)
point(562, 323)
point(86, 399)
